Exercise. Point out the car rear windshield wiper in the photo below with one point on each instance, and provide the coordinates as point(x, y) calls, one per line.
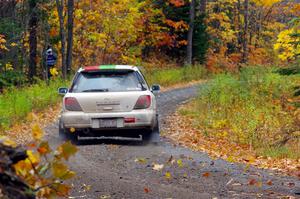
point(96, 90)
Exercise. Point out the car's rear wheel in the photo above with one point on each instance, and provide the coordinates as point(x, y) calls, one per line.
point(153, 135)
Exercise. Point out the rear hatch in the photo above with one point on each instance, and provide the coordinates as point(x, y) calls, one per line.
point(110, 90)
point(107, 102)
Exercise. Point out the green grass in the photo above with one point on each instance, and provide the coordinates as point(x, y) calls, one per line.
point(250, 108)
point(171, 76)
point(16, 103)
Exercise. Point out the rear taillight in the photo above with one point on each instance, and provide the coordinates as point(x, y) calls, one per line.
point(143, 102)
point(72, 104)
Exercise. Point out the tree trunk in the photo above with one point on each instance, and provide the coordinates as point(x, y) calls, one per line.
point(70, 34)
point(239, 32)
point(33, 22)
point(7, 8)
point(245, 36)
point(60, 10)
point(189, 51)
point(203, 4)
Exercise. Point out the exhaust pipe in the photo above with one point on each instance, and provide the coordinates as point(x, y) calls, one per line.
point(86, 131)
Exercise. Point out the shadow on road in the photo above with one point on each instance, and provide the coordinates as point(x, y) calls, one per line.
point(110, 140)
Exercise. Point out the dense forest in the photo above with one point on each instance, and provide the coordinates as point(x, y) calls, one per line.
point(220, 34)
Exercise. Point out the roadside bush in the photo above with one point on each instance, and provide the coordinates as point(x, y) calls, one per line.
point(255, 107)
point(12, 78)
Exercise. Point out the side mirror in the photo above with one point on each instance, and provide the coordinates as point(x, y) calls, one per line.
point(63, 91)
point(155, 88)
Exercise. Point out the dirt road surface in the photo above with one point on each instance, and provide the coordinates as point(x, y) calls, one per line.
point(124, 169)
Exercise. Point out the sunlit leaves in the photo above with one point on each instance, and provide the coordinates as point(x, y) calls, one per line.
point(266, 3)
point(66, 150)
point(287, 45)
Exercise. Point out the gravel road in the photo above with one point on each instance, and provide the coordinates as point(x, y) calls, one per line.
point(124, 169)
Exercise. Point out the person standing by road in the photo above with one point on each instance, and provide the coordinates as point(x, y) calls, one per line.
point(50, 61)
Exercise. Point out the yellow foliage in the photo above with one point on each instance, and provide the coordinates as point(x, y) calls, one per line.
point(267, 3)
point(53, 72)
point(8, 66)
point(37, 132)
point(285, 44)
point(2, 43)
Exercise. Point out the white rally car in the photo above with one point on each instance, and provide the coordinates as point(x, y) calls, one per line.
point(106, 98)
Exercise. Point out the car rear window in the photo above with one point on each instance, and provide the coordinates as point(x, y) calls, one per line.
point(108, 81)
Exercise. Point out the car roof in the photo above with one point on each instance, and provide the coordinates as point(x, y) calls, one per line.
point(108, 67)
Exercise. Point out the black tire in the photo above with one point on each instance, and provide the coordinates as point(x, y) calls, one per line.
point(153, 136)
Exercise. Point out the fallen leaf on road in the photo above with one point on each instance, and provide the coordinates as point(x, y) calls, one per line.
point(146, 190)
point(171, 160)
point(140, 160)
point(105, 196)
point(230, 181)
point(158, 167)
point(252, 182)
point(269, 182)
point(179, 162)
point(206, 174)
point(168, 175)
point(236, 184)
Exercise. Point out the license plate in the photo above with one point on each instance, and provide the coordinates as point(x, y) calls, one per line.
point(108, 123)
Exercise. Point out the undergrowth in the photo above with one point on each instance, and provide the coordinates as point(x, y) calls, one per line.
point(256, 107)
point(171, 76)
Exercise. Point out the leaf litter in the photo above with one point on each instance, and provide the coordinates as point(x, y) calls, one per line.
point(184, 133)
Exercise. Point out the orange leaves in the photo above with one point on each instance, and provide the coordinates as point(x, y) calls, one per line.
point(177, 3)
point(146, 190)
point(252, 182)
point(177, 25)
point(53, 32)
point(44, 148)
point(206, 174)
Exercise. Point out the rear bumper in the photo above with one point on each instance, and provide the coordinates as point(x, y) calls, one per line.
point(81, 120)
